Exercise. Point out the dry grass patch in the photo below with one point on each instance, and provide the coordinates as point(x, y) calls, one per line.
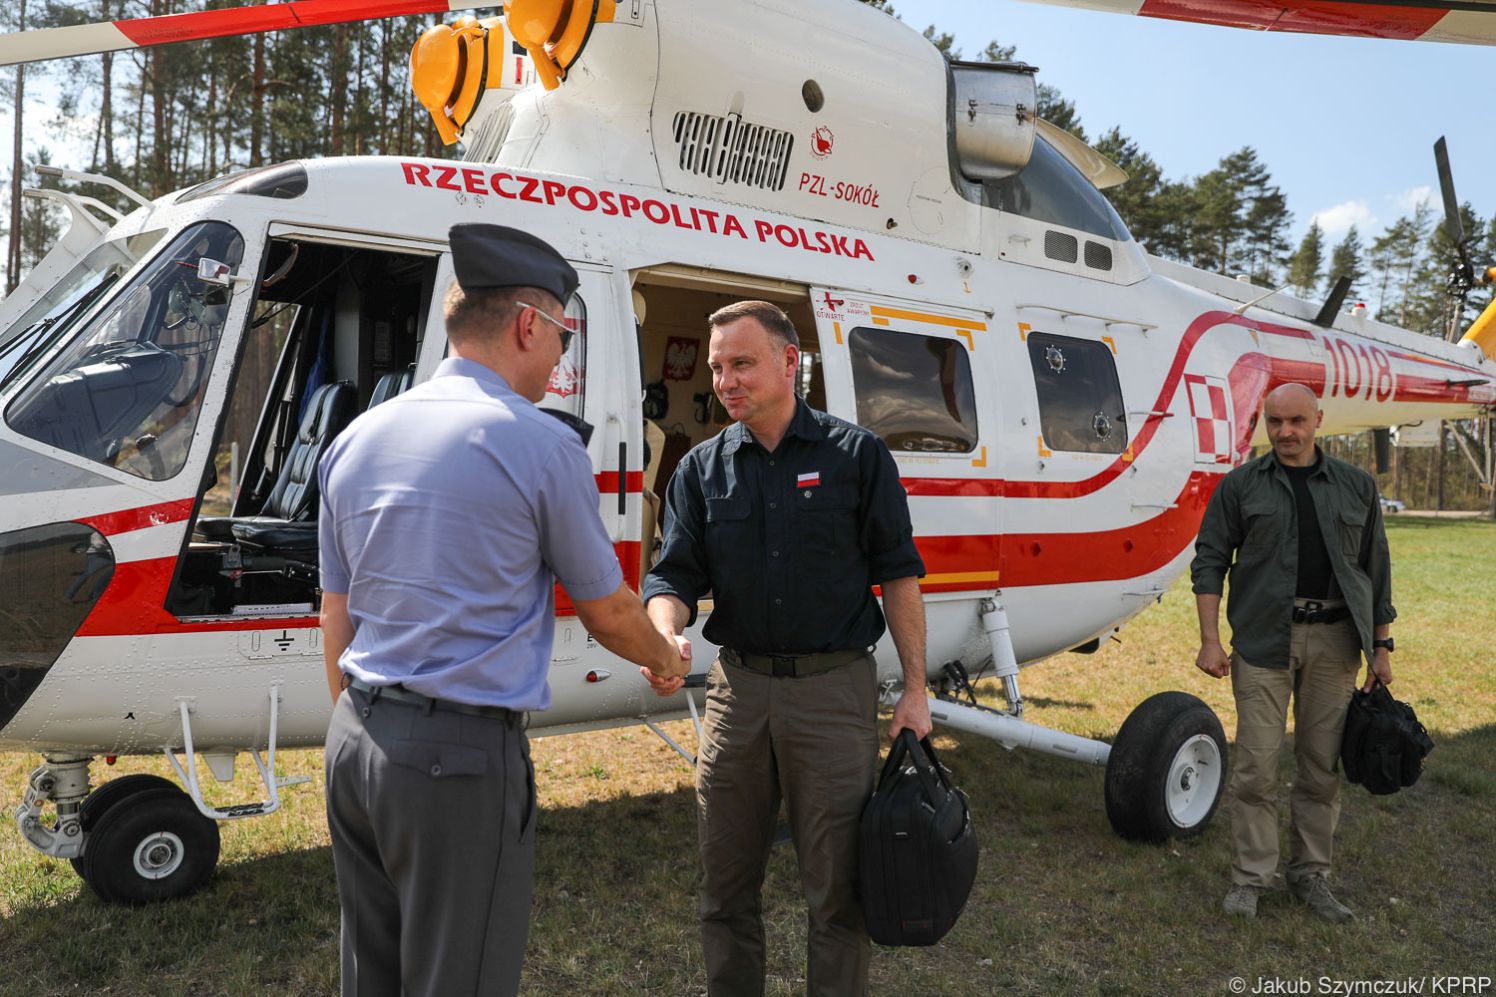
point(1061, 905)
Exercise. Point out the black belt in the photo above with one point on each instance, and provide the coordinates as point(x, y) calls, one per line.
point(400, 694)
point(1313, 612)
point(792, 666)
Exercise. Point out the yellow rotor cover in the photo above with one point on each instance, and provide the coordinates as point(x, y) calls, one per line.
point(449, 69)
point(554, 32)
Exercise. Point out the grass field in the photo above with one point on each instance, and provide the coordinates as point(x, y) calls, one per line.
point(1061, 905)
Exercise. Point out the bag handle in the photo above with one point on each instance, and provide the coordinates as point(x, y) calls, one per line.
point(921, 755)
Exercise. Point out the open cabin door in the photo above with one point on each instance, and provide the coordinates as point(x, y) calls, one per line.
point(918, 376)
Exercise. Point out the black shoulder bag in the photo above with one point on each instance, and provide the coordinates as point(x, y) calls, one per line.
point(918, 852)
point(1384, 745)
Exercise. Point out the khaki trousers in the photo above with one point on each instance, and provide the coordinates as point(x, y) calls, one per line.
point(813, 743)
point(1321, 674)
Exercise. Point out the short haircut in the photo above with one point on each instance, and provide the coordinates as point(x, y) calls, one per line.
point(770, 316)
point(486, 311)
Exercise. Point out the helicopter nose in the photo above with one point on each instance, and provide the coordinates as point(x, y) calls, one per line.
point(51, 576)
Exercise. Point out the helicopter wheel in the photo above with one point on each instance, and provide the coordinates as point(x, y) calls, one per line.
point(106, 796)
point(1167, 769)
point(151, 845)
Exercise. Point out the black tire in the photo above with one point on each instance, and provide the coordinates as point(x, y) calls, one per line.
point(152, 846)
point(107, 795)
point(1167, 769)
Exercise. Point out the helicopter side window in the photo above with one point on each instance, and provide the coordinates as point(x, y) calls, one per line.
point(914, 391)
point(1080, 398)
point(1050, 190)
point(127, 393)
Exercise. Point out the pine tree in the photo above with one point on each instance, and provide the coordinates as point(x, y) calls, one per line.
point(1138, 200)
point(1306, 267)
point(1346, 261)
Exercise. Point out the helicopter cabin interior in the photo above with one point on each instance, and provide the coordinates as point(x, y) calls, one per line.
point(672, 304)
point(336, 330)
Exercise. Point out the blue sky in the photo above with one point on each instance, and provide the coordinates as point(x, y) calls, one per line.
point(1347, 126)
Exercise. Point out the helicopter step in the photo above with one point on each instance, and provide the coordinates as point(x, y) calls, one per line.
point(140, 837)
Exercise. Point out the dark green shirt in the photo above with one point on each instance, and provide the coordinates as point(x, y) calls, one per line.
point(1250, 533)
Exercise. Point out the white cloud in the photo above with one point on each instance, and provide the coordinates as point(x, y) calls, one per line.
point(1409, 199)
point(1337, 221)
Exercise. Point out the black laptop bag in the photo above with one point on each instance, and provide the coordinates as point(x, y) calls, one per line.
point(1384, 745)
point(918, 852)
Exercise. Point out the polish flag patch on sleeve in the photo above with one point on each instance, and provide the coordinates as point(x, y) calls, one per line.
point(810, 480)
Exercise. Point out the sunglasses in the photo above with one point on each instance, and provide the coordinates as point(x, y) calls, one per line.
point(566, 333)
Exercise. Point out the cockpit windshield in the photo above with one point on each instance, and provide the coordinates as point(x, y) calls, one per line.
point(127, 392)
point(48, 319)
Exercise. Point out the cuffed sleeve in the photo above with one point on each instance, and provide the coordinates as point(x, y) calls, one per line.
point(1220, 535)
point(681, 570)
point(1377, 563)
point(887, 534)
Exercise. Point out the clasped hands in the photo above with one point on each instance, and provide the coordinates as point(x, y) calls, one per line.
point(670, 683)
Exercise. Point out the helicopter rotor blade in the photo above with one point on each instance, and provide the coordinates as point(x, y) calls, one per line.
point(1454, 225)
point(112, 36)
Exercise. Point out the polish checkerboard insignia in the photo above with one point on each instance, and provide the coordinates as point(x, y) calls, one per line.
point(1210, 412)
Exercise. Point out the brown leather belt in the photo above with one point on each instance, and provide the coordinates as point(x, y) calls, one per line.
point(792, 666)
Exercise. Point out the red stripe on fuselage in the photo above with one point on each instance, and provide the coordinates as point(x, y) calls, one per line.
point(134, 603)
point(128, 520)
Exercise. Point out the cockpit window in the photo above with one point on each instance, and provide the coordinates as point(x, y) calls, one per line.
point(43, 324)
point(127, 393)
point(282, 180)
point(1050, 190)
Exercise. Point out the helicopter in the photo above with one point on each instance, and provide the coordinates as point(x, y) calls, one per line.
point(1060, 404)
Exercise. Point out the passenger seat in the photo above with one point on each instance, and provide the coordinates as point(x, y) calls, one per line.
point(286, 524)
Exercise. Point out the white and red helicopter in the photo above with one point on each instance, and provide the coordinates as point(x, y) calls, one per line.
point(1060, 404)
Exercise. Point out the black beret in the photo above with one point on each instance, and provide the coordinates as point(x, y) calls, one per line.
point(493, 256)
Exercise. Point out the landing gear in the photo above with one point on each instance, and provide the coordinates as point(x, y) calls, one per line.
point(1167, 769)
point(150, 844)
point(106, 796)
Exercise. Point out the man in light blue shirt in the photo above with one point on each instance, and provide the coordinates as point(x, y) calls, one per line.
point(447, 516)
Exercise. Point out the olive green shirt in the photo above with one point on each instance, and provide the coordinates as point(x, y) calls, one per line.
point(1251, 518)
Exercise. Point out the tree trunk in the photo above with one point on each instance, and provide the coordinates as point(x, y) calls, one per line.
point(106, 106)
point(13, 263)
point(160, 164)
point(257, 105)
point(337, 83)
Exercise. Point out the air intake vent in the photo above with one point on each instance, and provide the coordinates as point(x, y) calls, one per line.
point(1098, 257)
point(731, 150)
point(1059, 246)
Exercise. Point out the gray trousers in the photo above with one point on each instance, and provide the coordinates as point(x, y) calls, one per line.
point(432, 815)
point(813, 744)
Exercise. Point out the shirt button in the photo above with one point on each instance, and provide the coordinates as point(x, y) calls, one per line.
point(771, 463)
point(776, 553)
point(773, 505)
point(778, 602)
point(366, 712)
point(436, 770)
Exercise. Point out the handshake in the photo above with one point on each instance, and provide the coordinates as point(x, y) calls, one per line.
point(667, 678)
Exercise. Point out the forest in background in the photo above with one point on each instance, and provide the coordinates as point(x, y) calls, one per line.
point(164, 118)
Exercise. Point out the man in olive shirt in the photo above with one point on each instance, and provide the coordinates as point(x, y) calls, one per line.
point(1310, 593)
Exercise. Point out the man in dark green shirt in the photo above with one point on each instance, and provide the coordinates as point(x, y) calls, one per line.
point(1300, 535)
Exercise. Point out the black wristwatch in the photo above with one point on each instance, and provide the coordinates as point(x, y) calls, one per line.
point(1384, 642)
